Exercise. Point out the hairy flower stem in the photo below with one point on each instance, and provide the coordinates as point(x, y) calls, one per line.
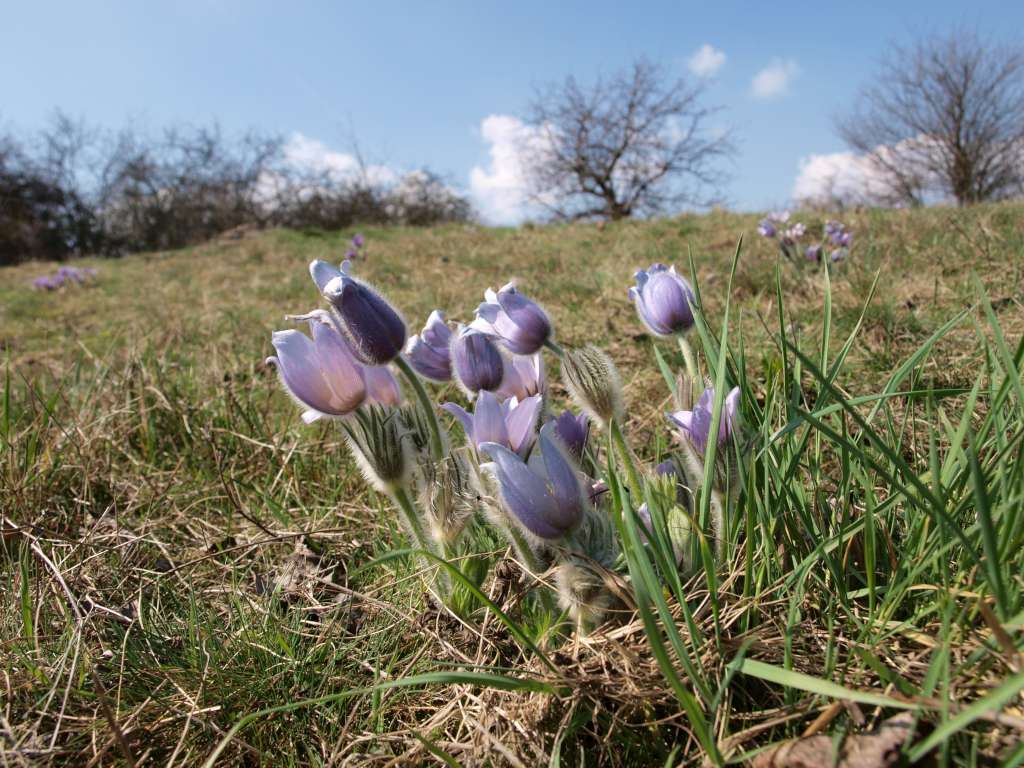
point(691, 362)
point(554, 348)
point(412, 522)
point(436, 444)
point(626, 456)
point(533, 565)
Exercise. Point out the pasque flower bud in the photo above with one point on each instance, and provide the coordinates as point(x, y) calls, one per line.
point(374, 328)
point(593, 382)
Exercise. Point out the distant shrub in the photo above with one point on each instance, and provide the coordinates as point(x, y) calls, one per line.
point(79, 190)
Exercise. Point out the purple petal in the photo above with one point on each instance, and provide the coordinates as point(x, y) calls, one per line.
point(489, 420)
point(382, 386)
point(464, 418)
point(322, 273)
point(344, 376)
point(524, 493)
point(522, 421)
point(299, 369)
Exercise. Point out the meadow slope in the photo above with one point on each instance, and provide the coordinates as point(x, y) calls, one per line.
point(179, 550)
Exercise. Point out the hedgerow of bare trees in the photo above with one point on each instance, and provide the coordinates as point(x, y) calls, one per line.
point(75, 189)
point(636, 143)
point(943, 119)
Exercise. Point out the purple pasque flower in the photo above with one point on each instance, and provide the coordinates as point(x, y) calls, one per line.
point(545, 496)
point(573, 431)
point(779, 217)
point(518, 323)
point(373, 327)
point(838, 234)
point(766, 228)
point(813, 252)
point(320, 373)
point(358, 241)
point(46, 283)
point(429, 351)
point(838, 255)
point(696, 424)
point(664, 300)
point(476, 362)
point(524, 376)
point(795, 232)
point(511, 423)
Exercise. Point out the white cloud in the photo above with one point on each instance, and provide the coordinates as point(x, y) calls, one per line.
point(313, 156)
point(706, 61)
point(838, 177)
point(774, 79)
point(499, 189)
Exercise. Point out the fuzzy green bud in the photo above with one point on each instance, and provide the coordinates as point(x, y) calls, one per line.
point(593, 383)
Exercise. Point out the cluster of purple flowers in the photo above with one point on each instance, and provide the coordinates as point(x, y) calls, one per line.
point(837, 239)
point(527, 470)
point(64, 276)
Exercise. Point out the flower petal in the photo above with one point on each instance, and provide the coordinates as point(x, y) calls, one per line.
point(521, 422)
point(464, 418)
point(562, 480)
point(489, 420)
point(300, 372)
point(344, 376)
point(323, 273)
point(524, 493)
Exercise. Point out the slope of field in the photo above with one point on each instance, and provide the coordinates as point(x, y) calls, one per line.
point(180, 551)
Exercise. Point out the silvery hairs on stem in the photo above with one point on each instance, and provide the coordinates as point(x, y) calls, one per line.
point(449, 498)
point(579, 573)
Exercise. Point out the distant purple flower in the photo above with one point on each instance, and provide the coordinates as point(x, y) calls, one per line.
point(573, 431)
point(46, 283)
point(524, 376)
point(518, 323)
point(765, 228)
point(696, 424)
point(838, 234)
point(545, 496)
point(838, 255)
point(429, 351)
point(813, 253)
point(779, 217)
point(374, 328)
point(350, 254)
point(511, 424)
point(664, 300)
point(795, 232)
point(476, 361)
point(358, 241)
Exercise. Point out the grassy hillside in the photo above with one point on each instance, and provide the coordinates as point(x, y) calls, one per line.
point(180, 551)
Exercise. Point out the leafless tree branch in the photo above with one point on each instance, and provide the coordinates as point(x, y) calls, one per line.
point(634, 144)
point(944, 117)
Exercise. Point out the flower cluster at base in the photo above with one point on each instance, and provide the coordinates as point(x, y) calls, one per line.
point(538, 479)
point(64, 276)
point(834, 248)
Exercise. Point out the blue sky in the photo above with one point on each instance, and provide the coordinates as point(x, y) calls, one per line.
point(415, 82)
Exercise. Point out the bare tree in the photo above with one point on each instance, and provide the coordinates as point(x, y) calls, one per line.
point(634, 144)
point(944, 119)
